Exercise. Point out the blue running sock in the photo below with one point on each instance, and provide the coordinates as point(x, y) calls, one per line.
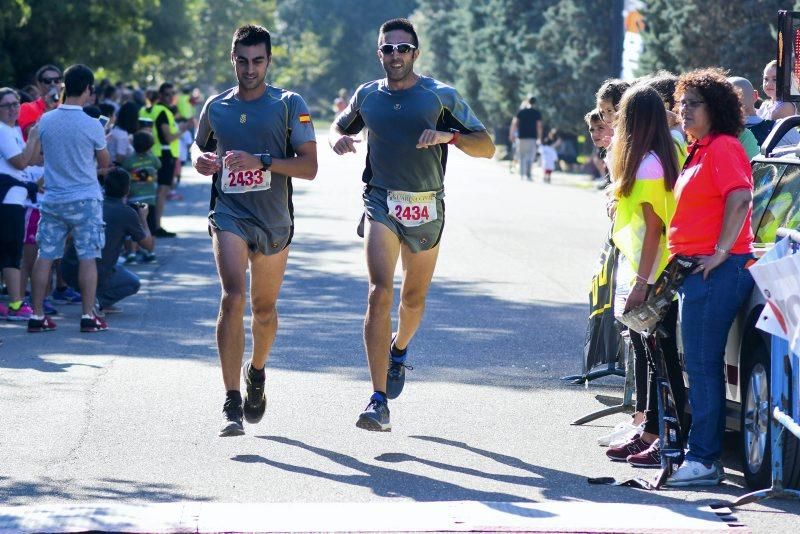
point(379, 396)
point(398, 356)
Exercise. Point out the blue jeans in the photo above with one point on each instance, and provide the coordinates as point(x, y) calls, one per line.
point(707, 310)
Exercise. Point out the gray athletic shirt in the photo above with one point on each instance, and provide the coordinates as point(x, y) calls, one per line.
point(275, 123)
point(395, 120)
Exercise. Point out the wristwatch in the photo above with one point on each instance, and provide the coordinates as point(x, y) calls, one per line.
point(266, 161)
point(456, 135)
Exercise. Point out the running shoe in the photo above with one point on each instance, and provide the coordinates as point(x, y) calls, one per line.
point(93, 324)
point(396, 375)
point(66, 296)
point(164, 233)
point(376, 416)
point(621, 453)
point(231, 419)
point(647, 458)
point(145, 256)
point(623, 432)
point(44, 324)
point(693, 473)
point(255, 401)
point(23, 313)
point(48, 307)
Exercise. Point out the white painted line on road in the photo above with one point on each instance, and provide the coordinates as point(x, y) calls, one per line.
point(456, 516)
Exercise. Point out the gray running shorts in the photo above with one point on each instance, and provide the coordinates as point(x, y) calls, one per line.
point(418, 238)
point(267, 241)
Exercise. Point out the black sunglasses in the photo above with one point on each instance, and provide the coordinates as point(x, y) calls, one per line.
point(403, 48)
point(50, 81)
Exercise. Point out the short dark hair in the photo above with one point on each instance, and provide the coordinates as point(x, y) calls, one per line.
point(532, 100)
point(92, 110)
point(106, 109)
point(5, 91)
point(166, 86)
point(76, 79)
point(612, 90)
point(142, 142)
point(252, 35)
point(592, 117)
point(109, 91)
point(44, 68)
point(399, 24)
point(128, 117)
point(721, 98)
point(117, 183)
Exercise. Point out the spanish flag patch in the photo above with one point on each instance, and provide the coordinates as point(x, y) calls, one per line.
point(305, 117)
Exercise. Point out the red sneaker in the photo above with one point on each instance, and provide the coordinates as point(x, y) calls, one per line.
point(93, 324)
point(621, 453)
point(647, 458)
point(41, 325)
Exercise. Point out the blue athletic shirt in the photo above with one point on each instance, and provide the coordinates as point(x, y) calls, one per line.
point(274, 123)
point(395, 120)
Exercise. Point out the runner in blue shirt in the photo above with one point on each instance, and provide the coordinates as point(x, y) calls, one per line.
point(252, 138)
point(410, 120)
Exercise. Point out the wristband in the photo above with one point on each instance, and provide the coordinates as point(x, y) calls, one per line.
point(456, 135)
point(721, 250)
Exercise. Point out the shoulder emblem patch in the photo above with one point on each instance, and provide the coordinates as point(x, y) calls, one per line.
point(304, 117)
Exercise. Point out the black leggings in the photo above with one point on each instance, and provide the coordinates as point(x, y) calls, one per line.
point(645, 372)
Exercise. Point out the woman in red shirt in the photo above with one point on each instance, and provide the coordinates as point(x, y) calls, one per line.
point(713, 197)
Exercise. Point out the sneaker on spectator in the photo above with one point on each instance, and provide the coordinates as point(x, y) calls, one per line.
point(160, 232)
point(22, 314)
point(43, 324)
point(621, 453)
point(693, 473)
point(622, 433)
point(66, 296)
point(130, 258)
point(145, 256)
point(93, 324)
point(48, 308)
point(647, 458)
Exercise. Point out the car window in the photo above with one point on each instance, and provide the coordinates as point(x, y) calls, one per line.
point(782, 207)
point(765, 178)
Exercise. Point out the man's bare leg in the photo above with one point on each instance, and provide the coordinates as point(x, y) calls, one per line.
point(382, 250)
point(230, 254)
point(417, 275)
point(266, 277)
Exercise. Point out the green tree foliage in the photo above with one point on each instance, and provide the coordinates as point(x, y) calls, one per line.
point(570, 59)
point(738, 36)
point(95, 32)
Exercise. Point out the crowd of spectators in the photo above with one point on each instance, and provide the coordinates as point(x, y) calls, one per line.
point(86, 170)
point(675, 153)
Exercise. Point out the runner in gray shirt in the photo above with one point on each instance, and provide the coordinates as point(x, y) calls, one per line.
point(410, 120)
point(252, 139)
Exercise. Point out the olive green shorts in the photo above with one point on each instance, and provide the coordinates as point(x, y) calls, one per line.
point(418, 238)
point(267, 241)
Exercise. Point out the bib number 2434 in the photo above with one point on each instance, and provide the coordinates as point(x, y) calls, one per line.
point(245, 181)
point(412, 209)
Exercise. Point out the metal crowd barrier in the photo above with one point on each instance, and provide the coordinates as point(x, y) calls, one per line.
point(785, 402)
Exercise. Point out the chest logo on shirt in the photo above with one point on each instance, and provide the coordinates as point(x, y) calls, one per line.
point(243, 118)
point(398, 107)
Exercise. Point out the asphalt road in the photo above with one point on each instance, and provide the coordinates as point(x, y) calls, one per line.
point(131, 415)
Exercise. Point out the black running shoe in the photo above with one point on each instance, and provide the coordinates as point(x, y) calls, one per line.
point(232, 419)
point(375, 417)
point(396, 376)
point(255, 401)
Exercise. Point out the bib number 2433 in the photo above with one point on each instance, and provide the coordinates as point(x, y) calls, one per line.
point(412, 209)
point(245, 181)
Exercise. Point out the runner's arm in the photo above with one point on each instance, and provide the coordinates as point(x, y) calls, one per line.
point(476, 144)
point(303, 165)
point(339, 141)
